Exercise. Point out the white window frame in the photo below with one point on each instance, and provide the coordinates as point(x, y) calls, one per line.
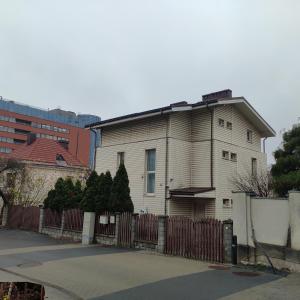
point(221, 122)
point(254, 166)
point(119, 154)
point(249, 136)
point(149, 172)
point(225, 154)
point(229, 125)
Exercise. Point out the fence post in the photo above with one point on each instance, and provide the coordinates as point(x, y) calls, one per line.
point(133, 228)
point(294, 206)
point(41, 222)
point(62, 223)
point(5, 215)
point(227, 238)
point(117, 229)
point(88, 228)
point(162, 230)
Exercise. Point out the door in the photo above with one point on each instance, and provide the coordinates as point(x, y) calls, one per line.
point(199, 210)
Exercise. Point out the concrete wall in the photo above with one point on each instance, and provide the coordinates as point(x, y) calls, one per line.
point(271, 219)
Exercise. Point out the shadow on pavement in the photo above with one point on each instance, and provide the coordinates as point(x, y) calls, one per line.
point(205, 285)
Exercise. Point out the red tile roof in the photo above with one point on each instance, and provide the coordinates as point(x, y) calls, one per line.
point(45, 151)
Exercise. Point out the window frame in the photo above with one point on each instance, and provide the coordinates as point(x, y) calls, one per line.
point(229, 125)
point(249, 136)
point(221, 122)
point(253, 163)
point(119, 155)
point(147, 172)
point(226, 157)
point(233, 154)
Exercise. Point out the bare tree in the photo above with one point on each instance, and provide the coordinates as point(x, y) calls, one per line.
point(260, 183)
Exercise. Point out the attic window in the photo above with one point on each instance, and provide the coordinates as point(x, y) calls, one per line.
point(60, 160)
point(221, 122)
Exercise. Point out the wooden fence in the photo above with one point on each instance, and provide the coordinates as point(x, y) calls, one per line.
point(146, 228)
point(124, 234)
point(73, 219)
point(20, 217)
point(105, 229)
point(52, 218)
point(201, 239)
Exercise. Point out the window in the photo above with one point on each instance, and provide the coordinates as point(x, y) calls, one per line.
point(229, 125)
point(225, 154)
point(249, 136)
point(150, 171)
point(221, 122)
point(254, 166)
point(233, 156)
point(120, 158)
point(6, 139)
point(5, 150)
point(227, 203)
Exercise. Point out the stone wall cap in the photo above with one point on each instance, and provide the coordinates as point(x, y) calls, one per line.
point(293, 191)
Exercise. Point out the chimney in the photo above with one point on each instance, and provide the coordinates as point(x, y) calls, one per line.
point(64, 144)
point(217, 95)
point(178, 104)
point(31, 137)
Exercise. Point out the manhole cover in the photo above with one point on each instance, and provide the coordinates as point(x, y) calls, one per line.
point(217, 267)
point(29, 264)
point(247, 274)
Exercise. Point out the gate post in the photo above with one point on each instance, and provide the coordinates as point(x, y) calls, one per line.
point(5, 215)
point(88, 228)
point(117, 229)
point(162, 230)
point(62, 223)
point(227, 238)
point(133, 228)
point(41, 222)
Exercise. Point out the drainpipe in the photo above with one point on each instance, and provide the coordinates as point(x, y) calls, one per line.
point(211, 145)
point(167, 161)
point(95, 148)
point(264, 144)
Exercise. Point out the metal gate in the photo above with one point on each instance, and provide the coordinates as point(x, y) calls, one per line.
point(20, 217)
point(201, 239)
point(124, 234)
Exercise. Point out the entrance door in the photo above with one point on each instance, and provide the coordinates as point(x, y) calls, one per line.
point(199, 210)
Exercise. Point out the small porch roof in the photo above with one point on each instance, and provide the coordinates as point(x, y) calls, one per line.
point(193, 192)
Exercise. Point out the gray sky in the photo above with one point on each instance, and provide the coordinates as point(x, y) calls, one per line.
point(111, 57)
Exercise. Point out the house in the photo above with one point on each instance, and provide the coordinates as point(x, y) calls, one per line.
point(181, 158)
point(18, 120)
point(45, 161)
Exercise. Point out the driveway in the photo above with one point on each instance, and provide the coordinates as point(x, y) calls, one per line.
point(73, 271)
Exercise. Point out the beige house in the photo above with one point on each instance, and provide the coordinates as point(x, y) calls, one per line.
point(44, 162)
point(181, 158)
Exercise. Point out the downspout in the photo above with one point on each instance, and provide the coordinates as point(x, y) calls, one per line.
point(211, 145)
point(167, 161)
point(95, 148)
point(264, 144)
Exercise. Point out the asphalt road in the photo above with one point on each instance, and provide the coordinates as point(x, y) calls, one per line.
point(73, 271)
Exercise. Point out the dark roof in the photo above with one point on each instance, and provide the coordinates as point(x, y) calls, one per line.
point(152, 111)
point(45, 151)
point(191, 191)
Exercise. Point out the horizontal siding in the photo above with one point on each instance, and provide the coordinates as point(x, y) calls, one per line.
point(200, 170)
point(135, 131)
point(179, 163)
point(180, 126)
point(227, 171)
point(181, 207)
point(201, 125)
point(240, 125)
point(135, 164)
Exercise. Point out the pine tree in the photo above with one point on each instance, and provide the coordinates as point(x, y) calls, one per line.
point(104, 190)
point(88, 202)
point(120, 200)
point(286, 170)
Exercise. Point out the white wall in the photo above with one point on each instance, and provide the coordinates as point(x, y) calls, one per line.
point(270, 219)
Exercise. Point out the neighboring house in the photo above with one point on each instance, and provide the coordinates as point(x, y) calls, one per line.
point(45, 161)
point(17, 120)
point(181, 158)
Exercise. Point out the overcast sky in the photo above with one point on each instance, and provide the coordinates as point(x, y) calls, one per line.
point(110, 57)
